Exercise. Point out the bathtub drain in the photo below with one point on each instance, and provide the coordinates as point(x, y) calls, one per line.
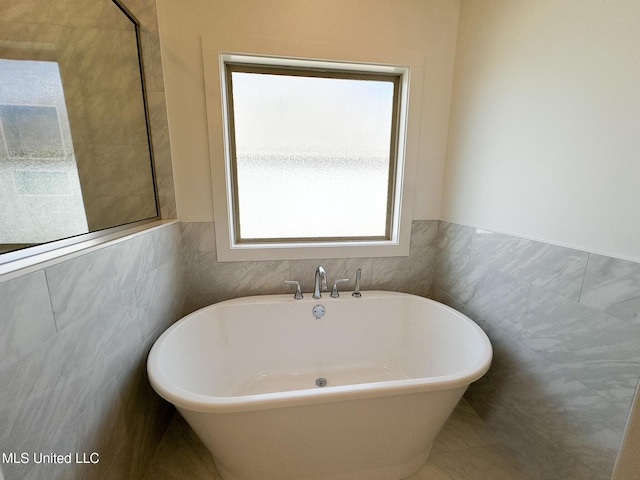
point(321, 382)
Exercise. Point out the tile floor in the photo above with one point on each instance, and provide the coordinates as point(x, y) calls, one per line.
point(465, 450)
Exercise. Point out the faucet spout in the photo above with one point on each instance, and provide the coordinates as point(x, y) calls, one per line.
point(320, 282)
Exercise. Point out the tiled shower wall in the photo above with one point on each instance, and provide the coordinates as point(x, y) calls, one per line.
point(565, 327)
point(74, 339)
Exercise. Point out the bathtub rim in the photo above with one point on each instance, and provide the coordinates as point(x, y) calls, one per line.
point(182, 398)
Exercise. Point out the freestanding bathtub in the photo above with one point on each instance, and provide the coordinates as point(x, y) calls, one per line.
point(359, 393)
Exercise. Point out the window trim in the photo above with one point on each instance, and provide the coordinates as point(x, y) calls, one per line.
point(410, 63)
point(395, 78)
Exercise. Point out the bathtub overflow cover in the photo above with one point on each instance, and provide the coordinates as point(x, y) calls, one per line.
point(321, 382)
point(318, 311)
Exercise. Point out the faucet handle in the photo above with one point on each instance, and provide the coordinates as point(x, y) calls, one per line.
point(334, 290)
point(298, 294)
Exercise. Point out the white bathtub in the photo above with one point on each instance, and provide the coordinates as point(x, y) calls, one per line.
point(243, 374)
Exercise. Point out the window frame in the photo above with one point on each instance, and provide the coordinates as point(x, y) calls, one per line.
point(409, 63)
point(395, 78)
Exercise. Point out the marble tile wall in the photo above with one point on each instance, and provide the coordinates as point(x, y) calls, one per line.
point(566, 334)
point(211, 281)
point(628, 462)
point(564, 325)
point(146, 13)
point(74, 338)
point(110, 137)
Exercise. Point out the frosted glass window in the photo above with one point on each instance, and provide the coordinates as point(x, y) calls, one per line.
point(39, 181)
point(31, 131)
point(312, 153)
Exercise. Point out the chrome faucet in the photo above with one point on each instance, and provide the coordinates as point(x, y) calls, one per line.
point(298, 294)
point(320, 282)
point(356, 291)
point(334, 290)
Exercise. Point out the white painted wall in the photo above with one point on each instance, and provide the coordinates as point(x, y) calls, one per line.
point(308, 27)
point(544, 138)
